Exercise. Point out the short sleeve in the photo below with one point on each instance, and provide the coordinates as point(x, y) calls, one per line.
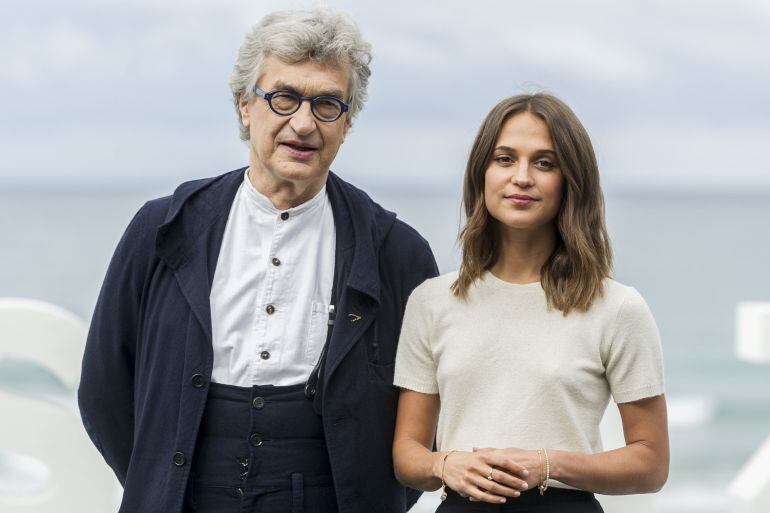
point(634, 360)
point(415, 365)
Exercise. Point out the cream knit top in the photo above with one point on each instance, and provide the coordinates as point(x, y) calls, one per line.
point(511, 373)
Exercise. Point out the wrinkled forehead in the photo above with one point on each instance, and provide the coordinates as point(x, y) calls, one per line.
point(308, 77)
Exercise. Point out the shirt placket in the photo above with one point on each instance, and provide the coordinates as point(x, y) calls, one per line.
point(267, 358)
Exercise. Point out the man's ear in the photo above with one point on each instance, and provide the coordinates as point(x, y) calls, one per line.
point(345, 129)
point(243, 106)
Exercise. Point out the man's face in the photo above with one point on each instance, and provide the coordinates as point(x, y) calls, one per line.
point(297, 148)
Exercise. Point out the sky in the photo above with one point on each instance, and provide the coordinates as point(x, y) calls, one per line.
point(114, 94)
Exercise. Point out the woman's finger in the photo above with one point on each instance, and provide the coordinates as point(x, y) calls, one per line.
point(492, 487)
point(504, 478)
point(505, 463)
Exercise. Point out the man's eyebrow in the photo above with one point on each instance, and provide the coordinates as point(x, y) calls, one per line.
point(324, 92)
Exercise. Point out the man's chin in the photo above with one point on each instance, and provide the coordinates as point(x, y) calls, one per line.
point(300, 172)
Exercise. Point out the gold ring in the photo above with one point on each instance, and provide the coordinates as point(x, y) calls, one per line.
point(489, 477)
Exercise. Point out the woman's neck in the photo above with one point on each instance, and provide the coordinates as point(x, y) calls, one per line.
point(523, 253)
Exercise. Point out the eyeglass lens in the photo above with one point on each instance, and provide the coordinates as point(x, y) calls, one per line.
point(324, 108)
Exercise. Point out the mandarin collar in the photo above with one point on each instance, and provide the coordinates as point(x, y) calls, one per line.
point(265, 206)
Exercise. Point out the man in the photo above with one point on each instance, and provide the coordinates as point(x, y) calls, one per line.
point(240, 357)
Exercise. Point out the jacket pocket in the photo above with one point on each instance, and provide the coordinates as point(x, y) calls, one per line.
point(382, 374)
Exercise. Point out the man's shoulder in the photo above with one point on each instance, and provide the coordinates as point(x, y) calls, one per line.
point(158, 210)
point(398, 232)
point(404, 236)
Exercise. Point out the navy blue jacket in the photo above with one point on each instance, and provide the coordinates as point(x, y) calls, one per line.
point(148, 357)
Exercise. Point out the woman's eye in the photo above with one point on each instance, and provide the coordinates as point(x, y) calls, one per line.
point(503, 159)
point(545, 164)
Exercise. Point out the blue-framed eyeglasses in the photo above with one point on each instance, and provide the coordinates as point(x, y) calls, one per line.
point(285, 103)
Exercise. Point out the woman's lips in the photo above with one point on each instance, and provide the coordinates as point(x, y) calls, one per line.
point(299, 151)
point(520, 201)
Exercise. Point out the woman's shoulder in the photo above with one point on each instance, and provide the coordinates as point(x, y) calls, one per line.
point(623, 299)
point(438, 287)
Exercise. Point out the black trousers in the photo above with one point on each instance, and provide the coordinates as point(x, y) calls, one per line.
point(260, 450)
point(555, 500)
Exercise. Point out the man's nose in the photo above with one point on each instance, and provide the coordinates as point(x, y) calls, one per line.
point(303, 121)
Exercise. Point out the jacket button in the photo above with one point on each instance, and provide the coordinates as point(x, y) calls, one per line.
point(258, 403)
point(255, 440)
point(198, 381)
point(270, 309)
point(265, 355)
point(284, 215)
point(276, 262)
point(179, 459)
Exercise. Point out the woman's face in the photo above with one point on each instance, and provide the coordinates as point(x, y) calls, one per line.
point(523, 182)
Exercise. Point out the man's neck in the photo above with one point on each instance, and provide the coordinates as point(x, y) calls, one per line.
point(285, 194)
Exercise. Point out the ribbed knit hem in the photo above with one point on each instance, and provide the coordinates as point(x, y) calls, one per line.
point(424, 388)
point(639, 393)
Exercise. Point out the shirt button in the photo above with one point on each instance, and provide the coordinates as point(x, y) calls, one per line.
point(255, 440)
point(284, 215)
point(258, 403)
point(198, 381)
point(179, 459)
point(270, 309)
point(264, 355)
point(276, 262)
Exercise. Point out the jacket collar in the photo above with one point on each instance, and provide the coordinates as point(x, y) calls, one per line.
point(190, 238)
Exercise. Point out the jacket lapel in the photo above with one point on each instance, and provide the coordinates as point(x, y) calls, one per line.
point(190, 239)
point(358, 236)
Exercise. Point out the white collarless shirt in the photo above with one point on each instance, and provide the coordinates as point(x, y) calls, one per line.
point(272, 290)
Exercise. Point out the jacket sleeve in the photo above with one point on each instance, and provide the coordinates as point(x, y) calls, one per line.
point(416, 260)
point(106, 391)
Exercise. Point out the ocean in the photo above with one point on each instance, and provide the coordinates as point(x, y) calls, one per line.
point(693, 258)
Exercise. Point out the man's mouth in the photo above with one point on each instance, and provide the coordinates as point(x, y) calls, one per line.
point(299, 149)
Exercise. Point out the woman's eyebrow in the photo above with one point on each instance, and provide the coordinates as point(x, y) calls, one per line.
point(544, 151)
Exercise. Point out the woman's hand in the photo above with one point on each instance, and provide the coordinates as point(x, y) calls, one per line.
point(514, 458)
point(480, 475)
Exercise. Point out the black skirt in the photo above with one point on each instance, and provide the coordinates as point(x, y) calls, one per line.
point(555, 500)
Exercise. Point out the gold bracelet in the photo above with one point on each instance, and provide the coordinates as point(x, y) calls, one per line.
point(443, 484)
point(540, 464)
point(543, 486)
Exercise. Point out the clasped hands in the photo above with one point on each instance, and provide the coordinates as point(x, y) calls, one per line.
point(492, 475)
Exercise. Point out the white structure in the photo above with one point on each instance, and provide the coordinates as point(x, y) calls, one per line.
point(47, 462)
point(752, 332)
point(750, 490)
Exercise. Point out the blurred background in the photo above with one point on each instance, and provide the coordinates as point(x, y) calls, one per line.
point(106, 104)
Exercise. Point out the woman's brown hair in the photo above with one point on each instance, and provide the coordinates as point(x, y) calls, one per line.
point(572, 276)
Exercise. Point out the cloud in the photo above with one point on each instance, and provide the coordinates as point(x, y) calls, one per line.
point(27, 56)
point(80, 85)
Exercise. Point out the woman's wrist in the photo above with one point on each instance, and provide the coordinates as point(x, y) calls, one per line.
point(437, 463)
point(554, 458)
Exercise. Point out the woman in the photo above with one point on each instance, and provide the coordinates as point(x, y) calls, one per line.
point(511, 361)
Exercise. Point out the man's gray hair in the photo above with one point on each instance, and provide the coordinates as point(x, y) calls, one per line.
point(320, 34)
